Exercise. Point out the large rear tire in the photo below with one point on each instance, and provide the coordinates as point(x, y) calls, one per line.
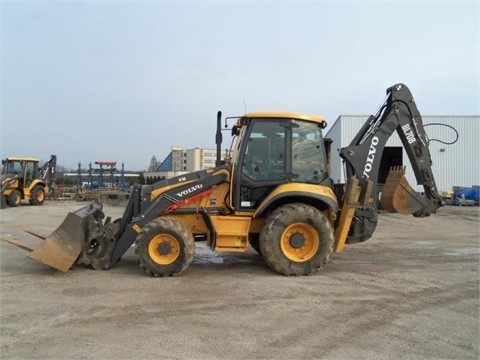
point(297, 239)
point(37, 195)
point(165, 247)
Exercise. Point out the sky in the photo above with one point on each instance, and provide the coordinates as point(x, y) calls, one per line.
point(125, 80)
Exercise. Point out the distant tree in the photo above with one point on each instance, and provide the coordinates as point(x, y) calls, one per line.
point(154, 179)
point(64, 180)
point(61, 169)
point(134, 180)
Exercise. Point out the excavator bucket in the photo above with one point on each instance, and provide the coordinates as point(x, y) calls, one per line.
point(398, 196)
point(71, 239)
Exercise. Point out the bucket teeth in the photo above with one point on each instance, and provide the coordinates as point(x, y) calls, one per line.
point(398, 196)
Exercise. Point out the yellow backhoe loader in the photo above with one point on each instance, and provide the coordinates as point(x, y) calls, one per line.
point(273, 193)
point(23, 179)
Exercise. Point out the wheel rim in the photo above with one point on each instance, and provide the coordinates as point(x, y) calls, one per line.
point(164, 249)
point(40, 195)
point(300, 242)
point(17, 198)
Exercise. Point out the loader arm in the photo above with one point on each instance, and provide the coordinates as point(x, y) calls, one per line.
point(85, 238)
point(362, 160)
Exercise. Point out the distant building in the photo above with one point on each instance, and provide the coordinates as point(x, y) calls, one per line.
point(180, 161)
point(454, 165)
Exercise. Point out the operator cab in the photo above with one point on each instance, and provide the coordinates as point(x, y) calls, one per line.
point(277, 148)
point(26, 169)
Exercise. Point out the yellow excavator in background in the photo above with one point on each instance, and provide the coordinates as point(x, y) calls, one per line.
point(23, 179)
point(272, 192)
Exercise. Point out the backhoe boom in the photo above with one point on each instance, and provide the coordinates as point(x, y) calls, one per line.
point(362, 159)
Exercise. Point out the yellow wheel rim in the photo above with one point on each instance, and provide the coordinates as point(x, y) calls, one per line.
point(300, 242)
point(164, 249)
point(40, 195)
point(18, 198)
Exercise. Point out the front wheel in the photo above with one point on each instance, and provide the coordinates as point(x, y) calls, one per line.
point(297, 239)
point(165, 247)
point(15, 198)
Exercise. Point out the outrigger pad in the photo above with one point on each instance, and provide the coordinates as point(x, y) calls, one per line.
point(62, 248)
point(398, 196)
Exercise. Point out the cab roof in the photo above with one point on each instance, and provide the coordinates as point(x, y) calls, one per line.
point(285, 115)
point(17, 158)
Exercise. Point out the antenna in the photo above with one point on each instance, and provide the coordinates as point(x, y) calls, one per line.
point(244, 106)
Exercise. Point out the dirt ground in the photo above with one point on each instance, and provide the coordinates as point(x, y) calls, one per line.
point(412, 291)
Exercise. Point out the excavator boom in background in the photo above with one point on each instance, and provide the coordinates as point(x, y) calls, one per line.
point(271, 192)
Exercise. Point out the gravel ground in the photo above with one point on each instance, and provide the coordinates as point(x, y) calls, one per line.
point(410, 292)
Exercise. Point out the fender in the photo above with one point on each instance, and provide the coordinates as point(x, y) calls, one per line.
point(35, 182)
point(317, 193)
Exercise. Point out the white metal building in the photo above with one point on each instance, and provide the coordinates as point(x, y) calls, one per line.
point(454, 165)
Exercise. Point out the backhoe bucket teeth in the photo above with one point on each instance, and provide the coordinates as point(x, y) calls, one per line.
point(398, 196)
point(71, 239)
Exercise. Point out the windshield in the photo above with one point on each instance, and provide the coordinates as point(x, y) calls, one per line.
point(13, 167)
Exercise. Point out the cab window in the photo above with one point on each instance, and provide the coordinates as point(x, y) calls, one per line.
point(308, 153)
point(15, 167)
point(263, 163)
point(264, 158)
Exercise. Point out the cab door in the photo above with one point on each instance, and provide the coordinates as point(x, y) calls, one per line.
point(30, 173)
point(263, 161)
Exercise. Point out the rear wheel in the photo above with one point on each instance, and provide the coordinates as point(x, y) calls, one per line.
point(297, 239)
point(14, 198)
point(165, 247)
point(37, 195)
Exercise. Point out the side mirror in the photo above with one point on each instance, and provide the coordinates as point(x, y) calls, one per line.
point(235, 130)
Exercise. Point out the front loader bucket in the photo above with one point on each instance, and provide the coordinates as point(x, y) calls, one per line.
point(398, 196)
point(63, 247)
